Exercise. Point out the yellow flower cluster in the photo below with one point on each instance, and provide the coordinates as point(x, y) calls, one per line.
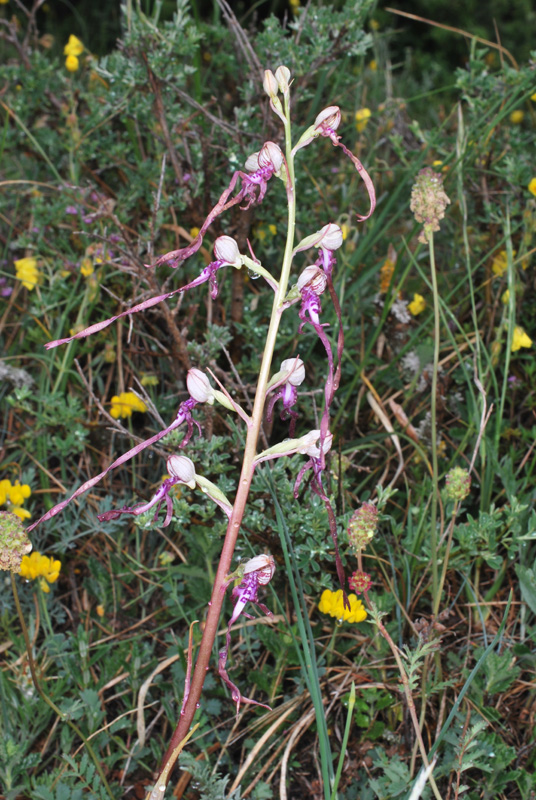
point(43, 567)
point(500, 263)
point(520, 339)
point(15, 495)
point(72, 50)
point(332, 603)
point(516, 117)
point(27, 272)
point(362, 117)
point(417, 305)
point(124, 404)
point(532, 187)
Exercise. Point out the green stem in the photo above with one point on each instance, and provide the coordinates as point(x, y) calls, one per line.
point(433, 425)
point(47, 699)
point(306, 641)
point(351, 704)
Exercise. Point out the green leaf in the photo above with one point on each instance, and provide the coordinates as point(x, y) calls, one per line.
point(527, 584)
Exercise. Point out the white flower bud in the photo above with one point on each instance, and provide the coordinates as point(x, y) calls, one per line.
point(313, 278)
point(182, 468)
point(264, 565)
point(269, 83)
point(226, 249)
point(271, 156)
point(282, 76)
point(296, 368)
point(330, 117)
point(199, 386)
point(331, 237)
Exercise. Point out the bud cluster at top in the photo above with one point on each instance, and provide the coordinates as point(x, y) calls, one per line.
point(362, 526)
point(428, 201)
point(458, 483)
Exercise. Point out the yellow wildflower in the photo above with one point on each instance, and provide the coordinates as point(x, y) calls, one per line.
point(533, 97)
point(332, 603)
point(124, 404)
point(5, 487)
point(362, 116)
point(520, 339)
point(38, 566)
point(72, 50)
point(72, 63)
point(506, 296)
point(100, 610)
point(417, 305)
point(19, 493)
point(345, 230)
point(374, 24)
point(373, 65)
point(15, 495)
point(74, 46)
point(27, 272)
point(532, 187)
point(148, 379)
point(516, 117)
point(86, 267)
point(272, 229)
point(500, 263)
point(194, 233)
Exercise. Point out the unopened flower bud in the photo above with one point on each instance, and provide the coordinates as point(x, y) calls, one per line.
point(296, 368)
point(329, 117)
point(458, 483)
point(263, 565)
point(14, 542)
point(313, 278)
point(269, 83)
point(331, 237)
point(226, 249)
point(282, 76)
point(428, 201)
point(182, 468)
point(360, 582)
point(199, 386)
point(362, 526)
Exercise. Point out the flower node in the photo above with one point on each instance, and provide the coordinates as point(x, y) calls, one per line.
point(14, 542)
point(428, 202)
point(458, 483)
point(362, 526)
point(360, 582)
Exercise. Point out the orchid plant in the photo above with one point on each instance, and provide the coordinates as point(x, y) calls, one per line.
point(307, 292)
